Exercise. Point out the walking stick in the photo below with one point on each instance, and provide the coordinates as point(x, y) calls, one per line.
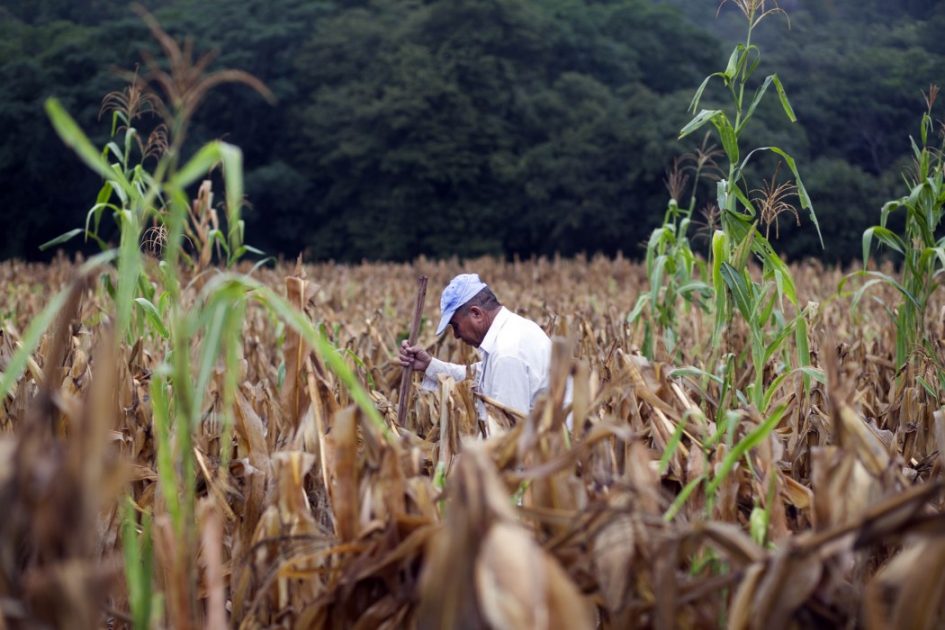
point(405, 376)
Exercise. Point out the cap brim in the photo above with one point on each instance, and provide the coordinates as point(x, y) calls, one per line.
point(444, 322)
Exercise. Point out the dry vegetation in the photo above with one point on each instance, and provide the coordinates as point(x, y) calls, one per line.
point(309, 515)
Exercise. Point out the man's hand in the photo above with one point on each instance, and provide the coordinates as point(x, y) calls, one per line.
point(414, 357)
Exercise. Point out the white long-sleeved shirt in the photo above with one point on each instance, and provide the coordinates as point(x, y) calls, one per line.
point(515, 359)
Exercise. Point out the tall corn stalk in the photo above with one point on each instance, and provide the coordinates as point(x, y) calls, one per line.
point(675, 272)
point(761, 303)
point(197, 339)
point(921, 248)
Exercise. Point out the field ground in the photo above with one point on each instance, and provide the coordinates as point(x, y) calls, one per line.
point(673, 503)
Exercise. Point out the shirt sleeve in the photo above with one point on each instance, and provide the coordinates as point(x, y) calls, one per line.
point(437, 367)
point(509, 383)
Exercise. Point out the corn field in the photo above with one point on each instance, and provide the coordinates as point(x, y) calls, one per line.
point(188, 441)
point(656, 510)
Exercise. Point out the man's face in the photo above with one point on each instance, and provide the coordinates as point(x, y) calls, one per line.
point(468, 326)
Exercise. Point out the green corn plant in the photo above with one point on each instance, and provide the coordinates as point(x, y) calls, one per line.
point(193, 339)
point(138, 560)
point(922, 252)
point(761, 303)
point(673, 270)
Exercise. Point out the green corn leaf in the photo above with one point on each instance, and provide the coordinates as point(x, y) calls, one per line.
point(315, 339)
point(164, 304)
point(198, 166)
point(94, 216)
point(720, 252)
point(777, 268)
point(653, 247)
point(731, 68)
point(745, 244)
point(75, 139)
point(167, 472)
point(813, 373)
point(153, 316)
point(146, 287)
point(129, 265)
point(101, 203)
point(216, 236)
point(802, 195)
point(693, 372)
point(728, 135)
point(112, 148)
point(647, 349)
point(361, 364)
point(802, 343)
point(439, 476)
point(759, 94)
point(758, 525)
point(233, 345)
point(744, 445)
point(62, 238)
point(905, 334)
point(889, 207)
point(117, 117)
point(939, 253)
point(672, 446)
point(726, 202)
point(764, 305)
point(746, 218)
point(232, 159)
point(260, 264)
point(858, 295)
point(894, 283)
point(681, 498)
point(137, 556)
point(130, 134)
point(642, 301)
point(782, 95)
point(700, 119)
point(669, 339)
point(656, 279)
point(696, 286)
point(885, 236)
point(916, 151)
point(215, 317)
point(749, 61)
point(779, 281)
point(694, 103)
point(739, 288)
point(927, 387)
point(772, 389)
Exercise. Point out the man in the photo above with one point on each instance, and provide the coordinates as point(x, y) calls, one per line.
point(515, 352)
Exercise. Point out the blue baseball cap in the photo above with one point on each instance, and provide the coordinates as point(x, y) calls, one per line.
point(460, 290)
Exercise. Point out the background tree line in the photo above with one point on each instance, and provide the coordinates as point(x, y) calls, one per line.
point(468, 127)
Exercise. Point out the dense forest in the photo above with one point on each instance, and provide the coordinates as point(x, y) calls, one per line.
point(467, 127)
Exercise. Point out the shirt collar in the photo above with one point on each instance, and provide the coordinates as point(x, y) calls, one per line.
point(489, 341)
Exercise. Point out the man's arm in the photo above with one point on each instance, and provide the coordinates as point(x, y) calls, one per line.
point(421, 361)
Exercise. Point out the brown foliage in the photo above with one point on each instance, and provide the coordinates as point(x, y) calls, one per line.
point(317, 521)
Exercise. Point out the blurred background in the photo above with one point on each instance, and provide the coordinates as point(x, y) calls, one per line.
point(513, 128)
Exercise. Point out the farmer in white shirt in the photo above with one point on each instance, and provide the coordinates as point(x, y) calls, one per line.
point(515, 352)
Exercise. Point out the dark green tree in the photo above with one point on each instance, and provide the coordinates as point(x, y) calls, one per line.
point(490, 126)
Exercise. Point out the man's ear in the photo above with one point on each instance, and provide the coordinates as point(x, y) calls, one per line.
point(476, 312)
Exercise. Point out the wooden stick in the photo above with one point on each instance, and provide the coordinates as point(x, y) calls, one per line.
point(405, 377)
